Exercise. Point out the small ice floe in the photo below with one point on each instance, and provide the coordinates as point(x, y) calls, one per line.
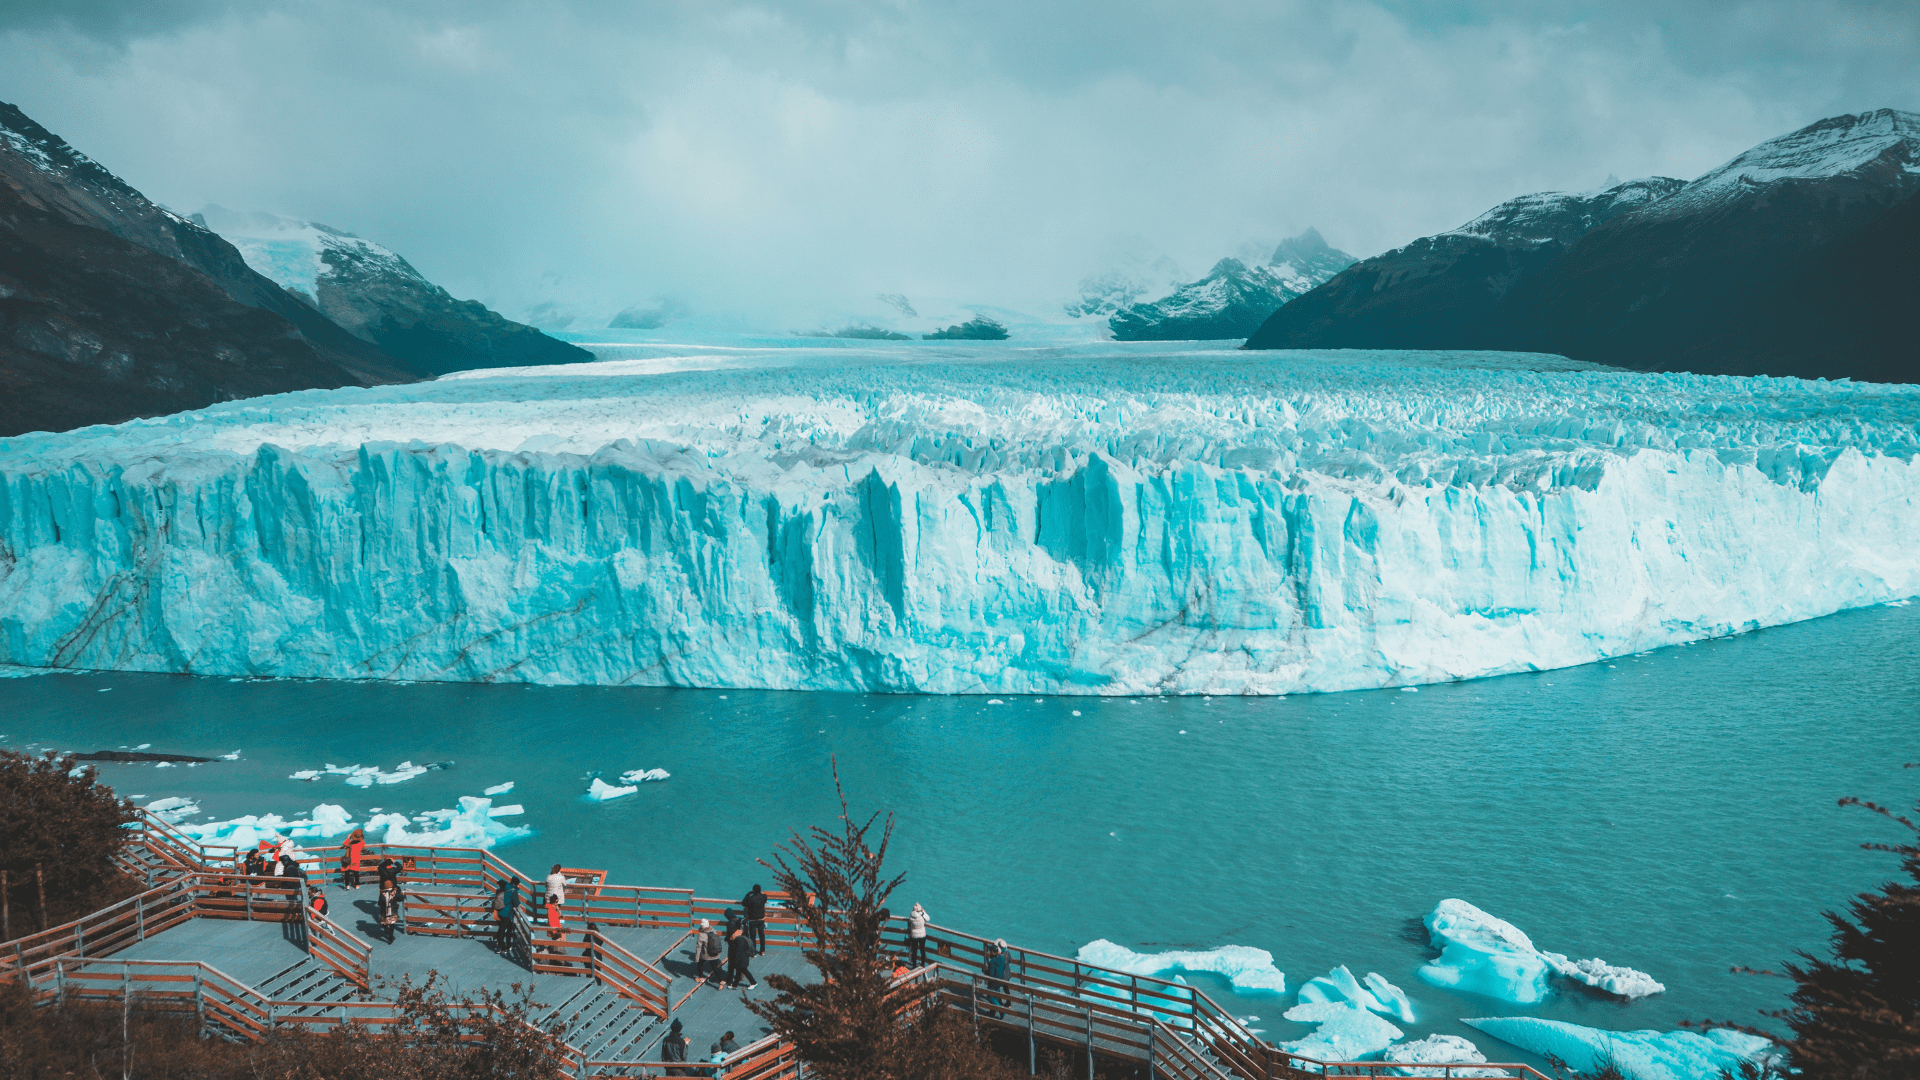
point(641, 776)
point(308, 775)
point(1347, 1032)
point(235, 756)
point(499, 789)
point(1248, 969)
point(1076, 712)
point(601, 791)
point(995, 701)
point(511, 810)
point(173, 810)
point(163, 764)
point(1378, 995)
point(143, 746)
point(1898, 603)
point(1484, 955)
point(1639, 1055)
point(1409, 689)
point(1438, 1050)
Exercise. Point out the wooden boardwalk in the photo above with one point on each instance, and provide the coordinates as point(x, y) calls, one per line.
point(248, 956)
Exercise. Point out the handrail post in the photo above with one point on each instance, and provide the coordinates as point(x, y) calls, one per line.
point(140, 917)
point(1089, 1042)
point(1031, 1070)
point(200, 999)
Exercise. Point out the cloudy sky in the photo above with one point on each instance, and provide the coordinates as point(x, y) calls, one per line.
point(795, 159)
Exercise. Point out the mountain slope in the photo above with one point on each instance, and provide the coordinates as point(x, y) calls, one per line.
point(379, 297)
point(1234, 298)
point(113, 308)
point(1444, 291)
point(45, 171)
point(1715, 276)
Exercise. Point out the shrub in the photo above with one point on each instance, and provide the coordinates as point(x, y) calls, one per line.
point(59, 817)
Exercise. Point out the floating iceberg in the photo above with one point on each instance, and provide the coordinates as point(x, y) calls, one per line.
point(641, 776)
point(1081, 521)
point(1347, 1032)
point(1480, 954)
point(1378, 995)
point(470, 825)
point(499, 789)
point(174, 810)
point(235, 756)
point(1249, 970)
point(1439, 1050)
point(601, 791)
point(1641, 1055)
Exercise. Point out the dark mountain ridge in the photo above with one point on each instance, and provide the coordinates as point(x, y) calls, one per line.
point(112, 307)
point(1714, 276)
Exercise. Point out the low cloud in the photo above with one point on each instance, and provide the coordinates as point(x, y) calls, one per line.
point(791, 160)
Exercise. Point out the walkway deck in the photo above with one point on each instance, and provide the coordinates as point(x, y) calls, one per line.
point(254, 952)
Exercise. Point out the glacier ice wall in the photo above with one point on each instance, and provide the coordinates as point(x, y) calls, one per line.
point(1059, 521)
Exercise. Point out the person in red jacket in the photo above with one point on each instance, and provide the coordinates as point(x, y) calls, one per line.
point(350, 862)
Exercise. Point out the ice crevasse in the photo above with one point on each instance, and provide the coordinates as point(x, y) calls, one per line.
point(1070, 523)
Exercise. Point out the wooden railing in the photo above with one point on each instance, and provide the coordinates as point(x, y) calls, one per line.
point(772, 1058)
point(1177, 1027)
point(219, 1000)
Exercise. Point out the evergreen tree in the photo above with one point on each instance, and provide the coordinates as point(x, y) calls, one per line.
point(58, 818)
point(854, 1023)
point(1856, 1016)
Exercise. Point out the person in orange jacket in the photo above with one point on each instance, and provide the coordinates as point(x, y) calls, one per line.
point(350, 862)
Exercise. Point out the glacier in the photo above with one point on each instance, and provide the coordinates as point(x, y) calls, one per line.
point(961, 519)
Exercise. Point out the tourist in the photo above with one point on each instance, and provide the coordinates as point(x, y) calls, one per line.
point(996, 969)
point(319, 902)
point(256, 863)
point(387, 907)
point(727, 1045)
point(917, 936)
point(674, 1048)
point(739, 952)
point(556, 886)
point(506, 901)
point(556, 932)
point(388, 871)
point(350, 859)
point(900, 969)
point(755, 903)
point(715, 1057)
point(708, 950)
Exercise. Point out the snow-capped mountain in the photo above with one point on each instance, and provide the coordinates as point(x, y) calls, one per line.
point(112, 307)
point(1234, 298)
point(379, 297)
point(1794, 258)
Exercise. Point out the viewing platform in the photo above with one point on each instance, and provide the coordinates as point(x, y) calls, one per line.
point(248, 954)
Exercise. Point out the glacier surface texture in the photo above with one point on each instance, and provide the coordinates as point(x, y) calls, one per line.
point(1087, 520)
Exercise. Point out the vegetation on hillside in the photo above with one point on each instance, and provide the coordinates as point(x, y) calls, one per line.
point(60, 829)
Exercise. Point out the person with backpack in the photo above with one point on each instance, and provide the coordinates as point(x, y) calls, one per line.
point(506, 903)
point(708, 951)
point(319, 902)
point(917, 936)
point(755, 904)
point(995, 966)
point(739, 952)
point(388, 871)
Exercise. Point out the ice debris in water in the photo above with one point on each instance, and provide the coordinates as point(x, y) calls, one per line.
point(1378, 995)
point(1250, 970)
point(471, 824)
point(1640, 1055)
point(1371, 518)
point(601, 791)
point(173, 810)
point(1484, 955)
point(641, 776)
point(1347, 1032)
point(499, 789)
point(235, 756)
point(1439, 1050)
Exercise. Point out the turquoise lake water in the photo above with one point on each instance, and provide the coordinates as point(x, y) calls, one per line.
point(1672, 812)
